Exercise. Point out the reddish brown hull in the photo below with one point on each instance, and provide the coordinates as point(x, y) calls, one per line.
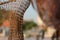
point(50, 11)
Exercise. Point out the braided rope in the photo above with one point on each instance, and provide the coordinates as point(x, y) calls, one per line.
point(16, 11)
point(20, 15)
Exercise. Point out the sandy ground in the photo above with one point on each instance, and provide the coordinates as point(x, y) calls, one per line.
point(6, 38)
point(3, 38)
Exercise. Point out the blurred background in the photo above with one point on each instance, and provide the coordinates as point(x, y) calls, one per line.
point(32, 25)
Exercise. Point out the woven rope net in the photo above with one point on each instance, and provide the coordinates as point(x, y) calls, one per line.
point(13, 11)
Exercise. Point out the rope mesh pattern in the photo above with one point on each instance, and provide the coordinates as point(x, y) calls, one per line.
point(16, 12)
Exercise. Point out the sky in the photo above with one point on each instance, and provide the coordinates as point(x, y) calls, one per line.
point(3, 0)
point(30, 14)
